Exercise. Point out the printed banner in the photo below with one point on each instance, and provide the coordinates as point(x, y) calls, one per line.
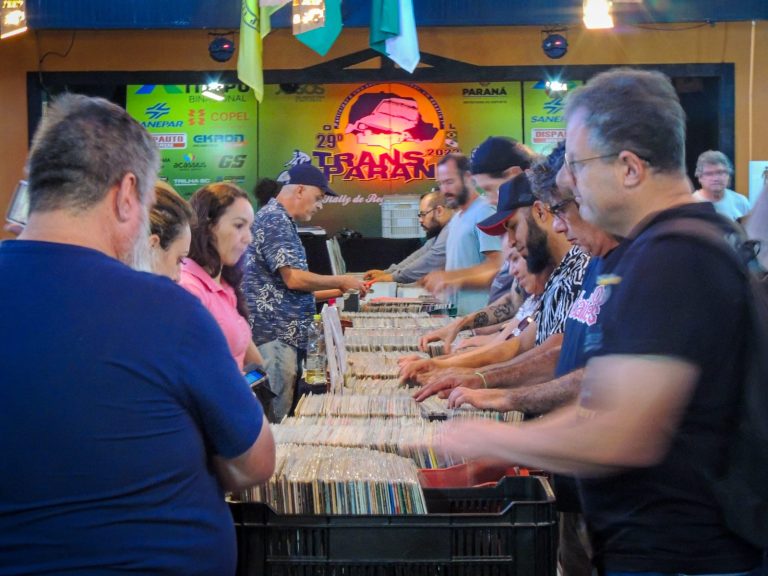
point(379, 139)
point(544, 123)
point(201, 140)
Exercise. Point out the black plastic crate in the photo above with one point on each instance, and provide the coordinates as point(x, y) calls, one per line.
point(507, 529)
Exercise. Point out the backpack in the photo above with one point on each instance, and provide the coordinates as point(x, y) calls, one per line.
point(741, 487)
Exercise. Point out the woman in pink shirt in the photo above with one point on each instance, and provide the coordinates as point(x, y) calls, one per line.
point(212, 272)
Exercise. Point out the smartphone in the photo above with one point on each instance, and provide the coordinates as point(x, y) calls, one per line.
point(257, 379)
point(18, 210)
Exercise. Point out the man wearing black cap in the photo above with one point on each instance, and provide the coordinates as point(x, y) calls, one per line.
point(278, 285)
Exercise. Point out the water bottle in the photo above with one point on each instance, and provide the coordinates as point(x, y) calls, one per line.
point(314, 367)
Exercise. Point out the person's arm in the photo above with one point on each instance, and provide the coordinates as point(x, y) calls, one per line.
point(254, 466)
point(430, 259)
point(536, 399)
point(305, 281)
point(636, 404)
point(478, 276)
point(252, 355)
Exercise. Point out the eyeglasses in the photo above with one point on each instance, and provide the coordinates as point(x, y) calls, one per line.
point(423, 214)
point(557, 209)
point(571, 164)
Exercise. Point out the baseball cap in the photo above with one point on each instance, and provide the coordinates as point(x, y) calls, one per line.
point(309, 175)
point(496, 154)
point(514, 194)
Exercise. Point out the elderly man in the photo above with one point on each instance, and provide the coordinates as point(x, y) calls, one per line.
point(714, 170)
point(434, 216)
point(658, 399)
point(279, 288)
point(124, 417)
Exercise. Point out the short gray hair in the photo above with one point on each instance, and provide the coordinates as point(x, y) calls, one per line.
point(634, 110)
point(82, 148)
point(712, 157)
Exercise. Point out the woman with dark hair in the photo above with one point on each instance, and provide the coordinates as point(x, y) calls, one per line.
point(212, 272)
point(170, 234)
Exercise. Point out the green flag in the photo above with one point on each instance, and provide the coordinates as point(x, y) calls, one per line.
point(385, 23)
point(254, 25)
point(321, 39)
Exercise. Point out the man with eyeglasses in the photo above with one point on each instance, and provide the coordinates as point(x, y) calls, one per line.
point(434, 216)
point(658, 399)
point(478, 273)
point(714, 170)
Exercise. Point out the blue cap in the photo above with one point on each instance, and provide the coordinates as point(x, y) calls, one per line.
point(308, 175)
point(514, 194)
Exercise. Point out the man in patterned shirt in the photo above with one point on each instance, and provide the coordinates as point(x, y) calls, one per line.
point(529, 222)
point(278, 286)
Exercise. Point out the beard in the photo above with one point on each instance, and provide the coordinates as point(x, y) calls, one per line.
point(139, 254)
point(539, 256)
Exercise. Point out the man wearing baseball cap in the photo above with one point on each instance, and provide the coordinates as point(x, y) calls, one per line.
point(278, 285)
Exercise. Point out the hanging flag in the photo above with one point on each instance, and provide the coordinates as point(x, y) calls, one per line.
point(321, 39)
point(393, 32)
point(254, 25)
point(385, 23)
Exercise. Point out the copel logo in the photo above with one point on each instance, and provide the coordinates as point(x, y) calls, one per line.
point(167, 141)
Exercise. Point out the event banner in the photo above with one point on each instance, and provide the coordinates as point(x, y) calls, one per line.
point(201, 139)
point(379, 139)
point(544, 125)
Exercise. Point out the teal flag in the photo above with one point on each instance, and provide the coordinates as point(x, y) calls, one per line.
point(385, 23)
point(321, 39)
point(393, 32)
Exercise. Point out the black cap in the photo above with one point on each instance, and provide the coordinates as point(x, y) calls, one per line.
point(514, 194)
point(498, 153)
point(308, 175)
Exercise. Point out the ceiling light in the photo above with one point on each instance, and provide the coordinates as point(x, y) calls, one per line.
point(555, 46)
point(597, 14)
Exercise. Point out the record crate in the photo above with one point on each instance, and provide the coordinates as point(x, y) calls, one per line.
point(506, 529)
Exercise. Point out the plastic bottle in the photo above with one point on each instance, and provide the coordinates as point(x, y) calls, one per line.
point(314, 367)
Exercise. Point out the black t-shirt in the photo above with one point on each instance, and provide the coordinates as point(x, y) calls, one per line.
point(680, 298)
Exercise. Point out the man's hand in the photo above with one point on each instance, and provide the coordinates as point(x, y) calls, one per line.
point(469, 438)
point(447, 334)
point(352, 283)
point(436, 282)
point(373, 276)
point(492, 399)
point(445, 381)
point(409, 370)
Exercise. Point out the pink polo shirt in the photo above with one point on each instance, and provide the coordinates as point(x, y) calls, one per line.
point(221, 302)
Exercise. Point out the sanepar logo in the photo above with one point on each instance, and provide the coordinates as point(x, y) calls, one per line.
point(157, 111)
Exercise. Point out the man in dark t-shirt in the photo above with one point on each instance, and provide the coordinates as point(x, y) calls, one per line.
point(665, 357)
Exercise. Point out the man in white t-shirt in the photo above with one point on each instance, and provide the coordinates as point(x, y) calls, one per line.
point(714, 170)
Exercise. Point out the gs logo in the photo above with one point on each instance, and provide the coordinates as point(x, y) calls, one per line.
point(230, 161)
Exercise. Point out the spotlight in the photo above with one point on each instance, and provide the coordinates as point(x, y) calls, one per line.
point(221, 48)
point(597, 14)
point(555, 46)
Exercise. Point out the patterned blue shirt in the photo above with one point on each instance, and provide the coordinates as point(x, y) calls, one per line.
point(276, 312)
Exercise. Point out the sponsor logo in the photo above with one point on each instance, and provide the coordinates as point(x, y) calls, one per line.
point(219, 139)
point(167, 140)
point(190, 163)
point(199, 116)
point(157, 111)
point(167, 88)
point(232, 161)
point(483, 92)
point(547, 135)
point(191, 181)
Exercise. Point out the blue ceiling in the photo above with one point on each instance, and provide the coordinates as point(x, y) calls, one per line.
point(225, 14)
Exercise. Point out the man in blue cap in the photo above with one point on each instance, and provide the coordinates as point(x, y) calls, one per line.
point(278, 285)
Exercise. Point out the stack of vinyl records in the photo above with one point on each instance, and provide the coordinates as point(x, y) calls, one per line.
point(332, 480)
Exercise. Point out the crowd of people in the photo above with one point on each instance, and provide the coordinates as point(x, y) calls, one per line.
point(125, 414)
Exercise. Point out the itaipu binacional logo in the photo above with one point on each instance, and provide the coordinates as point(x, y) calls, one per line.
point(383, 131)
